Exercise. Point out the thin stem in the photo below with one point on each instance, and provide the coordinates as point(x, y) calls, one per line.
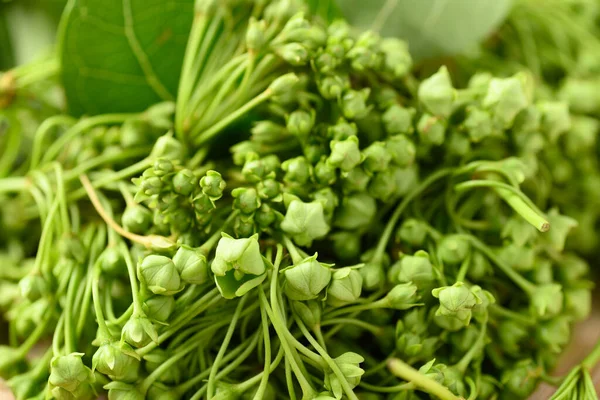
point(374, 329)
point(215, 367)
point(43, 130)
point(291, 248)
point(13, 184)
point(267, 346)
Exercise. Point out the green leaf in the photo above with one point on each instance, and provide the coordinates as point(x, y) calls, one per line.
point(431, 27)
point(122, 55)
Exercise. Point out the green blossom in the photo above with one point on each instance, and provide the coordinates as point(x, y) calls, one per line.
point(306, 279)
point(305, 222)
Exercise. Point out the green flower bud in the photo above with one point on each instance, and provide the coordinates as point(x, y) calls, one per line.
point(160, 391)
point(293, 53)
point(33, 287)
point(547, 300)
point(417, 269)
point(556, 119)
point(345, 287)
point(561, 227)
point(285, 84)
point(168, 147)
point(155, 359)
point(572, 268)
point(162, 167)
point(505, 98)
point(331, 87)
point(307, 279)
point(398, 120)
point(138, 331)
point(528, 121)
point(267, 132)
point(82, 392)
point(578, 303)
point(345, 154)
point(159, 308)
point(329, 199)
point(402, 296)
point(373, 276)
point(458, 144)
point(356, 211)
point(266, 216)
point(478, 124)
point(191, 265)
point(326, 62)
point(255, 34)
point(348, 363)
point(512, 335)
point(300, 122)
point(159, 274)
point(135, 132)
point(137, 219)
point(69, 373)
point(396, 57)
point(308, 311)
point(342, 130)
point(554, 334)
point(437, 94)
point(354, 104)
point(246, 200)
point(519, 258)
point(123, 391)
point(305, 222)
point(325, 173)
point(356, 180)
point(453, 249)
point(297, 170)
point(521, 379)
point(185, 182)
point(112, 262)
point(244, 226)
point(432, 130)
point(346, 244)
point(376, 158)
point(269, 189)
point(413, 232)
point(383, 185)
point(456, 301)
point(401, 149)
point(213, 185)
point(118, 361)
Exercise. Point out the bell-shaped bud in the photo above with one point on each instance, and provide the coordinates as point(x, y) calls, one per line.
point(376, 158)
point(69, 372)
point(305, 222)
point(402, 297)
point(256, 34)
point(33, 287)
point(300, 122)
point(432, 130)
point(123, 391)
point(138, 331)
point(137, 219)
point(345, 154)
point(331, 87)
point(383, 185)
point(111, 262)
point(456, 301)
point(354, 104)
point(309, 312)
point(356, 211)
point(513, 335)
point(417, 269)
point(285, 84)
point(546, 300)
point(307, 279)
point(401, 149)
point(578, 302)
point(297, 170)
point(159, 308)
point(437, 94)
point(349, 365)
point(213, 185)
point(505, 98)
point(561, 226)
point(556, 119)
point(356, 180)
point(342, 130)
point(325, 173)
point(453, 249)
point(159, 274)
point(554, 334)
point(478, 124)
point(185, 182)
point(118, 361)
point(345, 286)
point(396, 57)
point(191, 265)
point(246, 200)
point(413, 232)
point(521, 379)
point(346, 244)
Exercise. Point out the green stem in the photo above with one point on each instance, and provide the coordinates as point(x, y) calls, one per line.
point(408, 373)
point(374, 329)
point(291, 248)
point(215, 367)
point(137, 301)
point(41, 133)
point(260, 392)
point(464, 362)
point(388, 389)
point(13, 184)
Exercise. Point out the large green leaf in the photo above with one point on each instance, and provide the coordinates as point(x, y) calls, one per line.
point(432, 27)
point(122, 55)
